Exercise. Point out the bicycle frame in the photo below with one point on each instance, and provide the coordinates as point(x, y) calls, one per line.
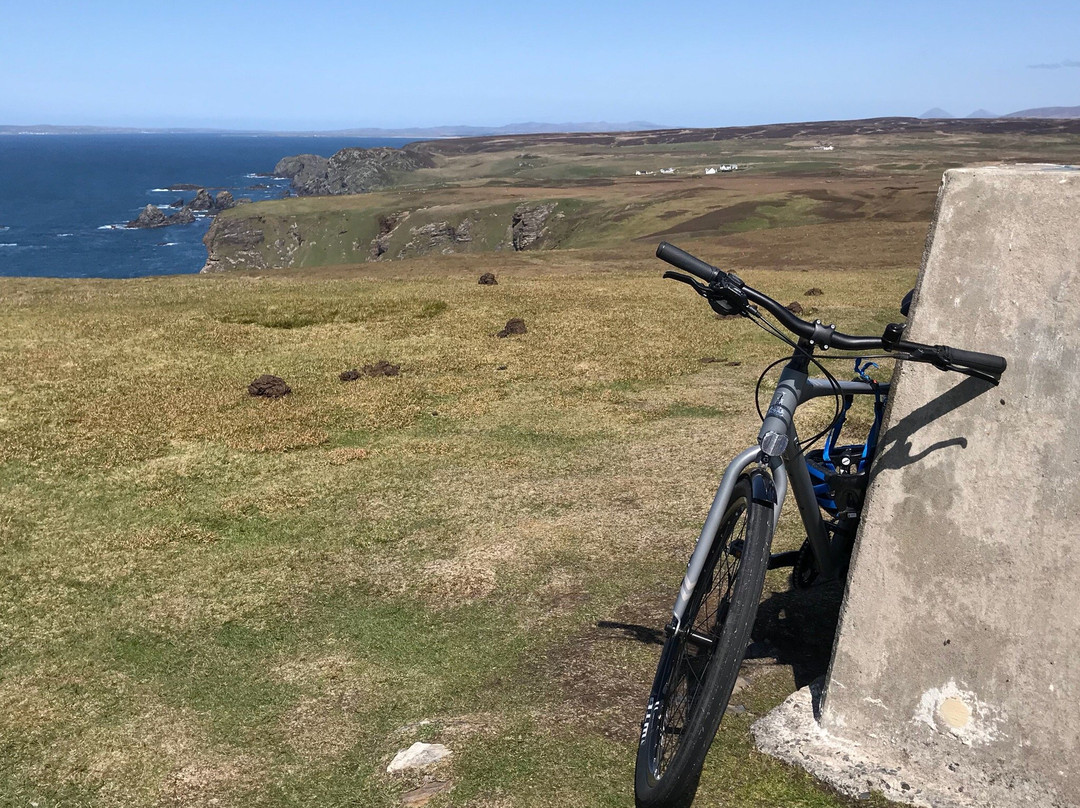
point(788, 470)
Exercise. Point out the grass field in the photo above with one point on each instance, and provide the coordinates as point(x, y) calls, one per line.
point(212, 599)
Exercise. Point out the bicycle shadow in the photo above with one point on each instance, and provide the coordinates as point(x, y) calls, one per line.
point(797, 627)
point(633, 631)
point(793, 628)
point(894, 449)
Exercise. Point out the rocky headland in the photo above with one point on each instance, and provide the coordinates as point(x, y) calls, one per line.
point(350, 171)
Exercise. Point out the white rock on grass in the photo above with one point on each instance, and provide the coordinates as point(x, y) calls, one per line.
point(418, 756)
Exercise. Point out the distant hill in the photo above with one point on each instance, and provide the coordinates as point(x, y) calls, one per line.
point(1067, 113)
point(1046, 112)
point(49, 129)
point(809, 130)
point(529, 128)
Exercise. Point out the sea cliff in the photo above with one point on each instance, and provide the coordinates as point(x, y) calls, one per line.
point(377, 227)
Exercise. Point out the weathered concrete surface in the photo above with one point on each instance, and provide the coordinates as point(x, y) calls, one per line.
point(956, 670)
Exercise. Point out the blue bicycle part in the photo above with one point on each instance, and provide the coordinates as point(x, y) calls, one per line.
point(839, 472)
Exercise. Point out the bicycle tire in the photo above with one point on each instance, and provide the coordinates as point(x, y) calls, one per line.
point(694, 680)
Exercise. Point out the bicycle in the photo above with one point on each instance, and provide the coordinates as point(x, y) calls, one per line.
point(717, 603)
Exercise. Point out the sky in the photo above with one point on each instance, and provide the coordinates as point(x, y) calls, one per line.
point(327, 65)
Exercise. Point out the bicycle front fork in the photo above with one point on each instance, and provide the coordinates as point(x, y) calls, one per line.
point(741, 463)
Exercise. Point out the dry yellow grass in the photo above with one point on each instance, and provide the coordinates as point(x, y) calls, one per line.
point(215, 597)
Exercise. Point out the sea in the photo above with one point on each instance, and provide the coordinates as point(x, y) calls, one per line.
point(65, 199)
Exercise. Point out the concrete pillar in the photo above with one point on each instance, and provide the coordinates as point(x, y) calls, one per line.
point(955, 678)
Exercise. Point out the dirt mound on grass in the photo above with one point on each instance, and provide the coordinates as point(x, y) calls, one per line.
point(381, 368)
point(515, 325)
point(269, 386)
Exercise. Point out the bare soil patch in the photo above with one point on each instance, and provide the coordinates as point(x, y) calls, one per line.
point(604, 672)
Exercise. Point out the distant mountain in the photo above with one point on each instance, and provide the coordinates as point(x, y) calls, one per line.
point(1046, 112)
point(529, 128)
point(937, 112)
point(983, 113)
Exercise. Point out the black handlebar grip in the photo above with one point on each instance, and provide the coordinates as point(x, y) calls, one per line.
point(987, 363)
point(686, 262)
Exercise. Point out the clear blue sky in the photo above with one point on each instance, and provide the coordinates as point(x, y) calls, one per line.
point(325, 64)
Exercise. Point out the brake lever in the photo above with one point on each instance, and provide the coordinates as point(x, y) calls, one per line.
point(978, 374)
point(726, 296)
point(699, 287)
point(931, 357)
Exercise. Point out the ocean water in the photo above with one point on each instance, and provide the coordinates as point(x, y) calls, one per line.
point(65, 198)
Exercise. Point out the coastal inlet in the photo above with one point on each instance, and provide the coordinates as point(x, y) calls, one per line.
point(66, 200)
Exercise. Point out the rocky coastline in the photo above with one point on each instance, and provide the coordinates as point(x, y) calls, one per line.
point(203, 203)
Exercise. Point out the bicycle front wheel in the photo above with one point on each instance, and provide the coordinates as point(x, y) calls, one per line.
point(700, 663)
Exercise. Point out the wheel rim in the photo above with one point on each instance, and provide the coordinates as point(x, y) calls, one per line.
point(692, 656)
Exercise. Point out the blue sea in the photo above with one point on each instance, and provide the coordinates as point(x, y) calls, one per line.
point(64, 199)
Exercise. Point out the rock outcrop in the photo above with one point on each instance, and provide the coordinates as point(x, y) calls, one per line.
point(437, 237)
point(202, 201)
point(223, 200)
point(206, 203)
point(307, 171)
point(232, 243)
point(349, 171)
point(183, 216)
point(308, 234)
point(527, 227)
point(152, 216)
point(388, 223)
point(288, 244)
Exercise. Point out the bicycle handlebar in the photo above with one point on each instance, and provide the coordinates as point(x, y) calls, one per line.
point(947, 358)
point(729, 288)
point(687, 262)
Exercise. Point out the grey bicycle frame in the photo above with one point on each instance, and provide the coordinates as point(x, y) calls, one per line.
point(788, 468)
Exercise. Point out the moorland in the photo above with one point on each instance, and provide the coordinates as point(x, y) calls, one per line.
point(216, 599)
